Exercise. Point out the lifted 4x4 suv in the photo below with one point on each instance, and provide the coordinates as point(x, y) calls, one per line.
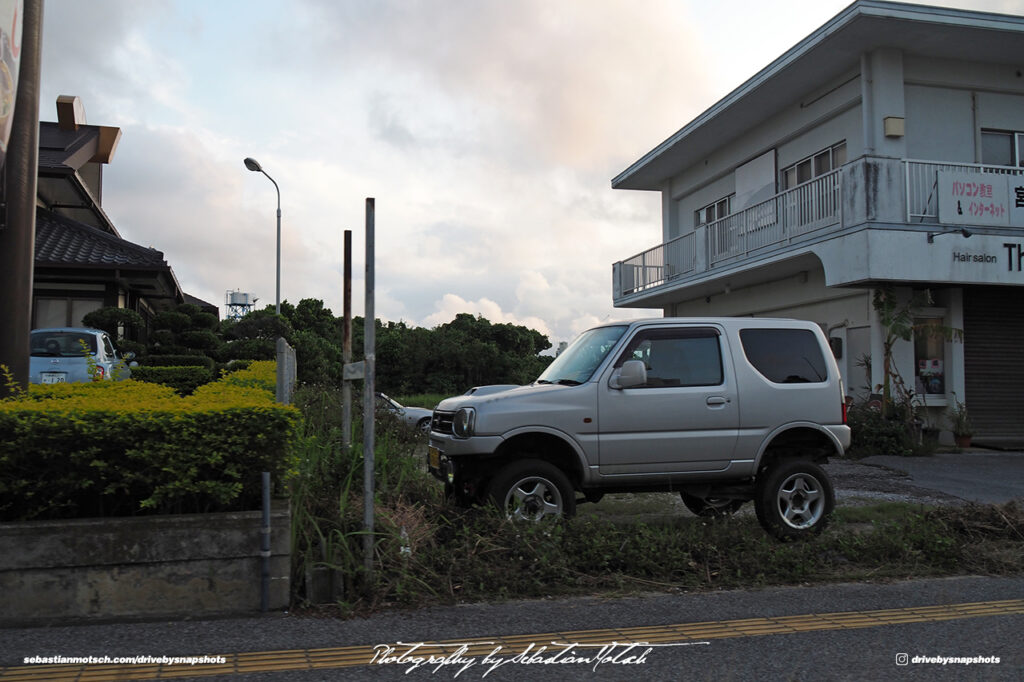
point(721, 410)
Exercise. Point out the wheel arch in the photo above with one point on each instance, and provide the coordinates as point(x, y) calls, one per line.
point(549, 445)
point(798, 440)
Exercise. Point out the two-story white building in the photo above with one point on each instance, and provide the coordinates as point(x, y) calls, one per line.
point(886, 148)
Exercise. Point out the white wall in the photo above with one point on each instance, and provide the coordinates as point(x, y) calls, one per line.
point(827, 115)
point(939, 124)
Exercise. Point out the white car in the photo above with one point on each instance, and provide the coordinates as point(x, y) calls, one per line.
point(64, 354)
point(487, 390)
point(414, 417)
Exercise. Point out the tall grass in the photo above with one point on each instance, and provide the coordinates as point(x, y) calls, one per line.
point(327, 495)
point(426, 552)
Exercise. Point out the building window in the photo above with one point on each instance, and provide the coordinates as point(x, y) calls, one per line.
point(929, 357)
point(63, 312)
point(813, 166)
point(713, 211)
point(1002, 148)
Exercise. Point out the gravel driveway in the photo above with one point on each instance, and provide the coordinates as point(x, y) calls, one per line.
point(858, 483)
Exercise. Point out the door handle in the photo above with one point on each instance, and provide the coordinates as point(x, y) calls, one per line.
point(715, 401)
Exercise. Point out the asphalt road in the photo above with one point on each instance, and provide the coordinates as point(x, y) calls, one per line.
point(854, 631)
point(975, 476)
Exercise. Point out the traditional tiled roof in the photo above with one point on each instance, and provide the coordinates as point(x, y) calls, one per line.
point(62, 241)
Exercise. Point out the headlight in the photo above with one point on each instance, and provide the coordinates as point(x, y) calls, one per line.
point(464, 422)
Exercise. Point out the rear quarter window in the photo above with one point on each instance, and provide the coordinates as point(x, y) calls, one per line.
point(785, 356)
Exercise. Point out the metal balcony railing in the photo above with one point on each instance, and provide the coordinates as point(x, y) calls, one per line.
point(789, 218)
point(786, 217)
point(657, 266)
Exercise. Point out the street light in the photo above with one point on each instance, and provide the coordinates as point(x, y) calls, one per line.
point(963, 231)
point(254, 165)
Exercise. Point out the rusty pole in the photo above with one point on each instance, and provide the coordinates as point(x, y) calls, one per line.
point(346, 349)
point(18, 234)
point(370, 394)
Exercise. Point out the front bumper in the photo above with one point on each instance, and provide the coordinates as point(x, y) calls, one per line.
point(446, 453)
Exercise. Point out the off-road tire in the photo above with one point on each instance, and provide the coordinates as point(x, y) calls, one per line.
point(794, 499)
point(531, 490)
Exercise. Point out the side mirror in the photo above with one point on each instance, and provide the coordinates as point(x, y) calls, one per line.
point(632, 373)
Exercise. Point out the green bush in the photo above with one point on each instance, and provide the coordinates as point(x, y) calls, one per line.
point(181, 361)
point(184, 380)
point(873, 434)
point(130, 447)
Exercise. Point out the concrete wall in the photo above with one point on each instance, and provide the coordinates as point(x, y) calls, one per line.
point(155, 566)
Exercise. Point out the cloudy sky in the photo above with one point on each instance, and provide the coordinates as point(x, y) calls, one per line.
point(488, 132)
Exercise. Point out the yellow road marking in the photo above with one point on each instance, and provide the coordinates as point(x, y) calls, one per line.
point(361, 655)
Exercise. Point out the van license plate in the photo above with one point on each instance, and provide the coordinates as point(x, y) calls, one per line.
point(434, 457)
point(54, 377)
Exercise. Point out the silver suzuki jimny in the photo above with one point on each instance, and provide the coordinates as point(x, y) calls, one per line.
point(720, 410)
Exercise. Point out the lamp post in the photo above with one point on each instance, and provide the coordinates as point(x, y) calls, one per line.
point(254, 165)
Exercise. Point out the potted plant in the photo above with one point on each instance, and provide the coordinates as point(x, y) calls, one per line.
point(960, 423)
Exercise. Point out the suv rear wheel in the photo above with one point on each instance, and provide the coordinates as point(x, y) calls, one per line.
point(794, 499)
point(531, 490)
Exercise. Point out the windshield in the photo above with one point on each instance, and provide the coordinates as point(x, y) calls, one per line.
point(62, 344)
point(577, 363)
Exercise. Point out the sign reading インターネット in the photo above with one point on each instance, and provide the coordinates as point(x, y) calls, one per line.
point(980, 199)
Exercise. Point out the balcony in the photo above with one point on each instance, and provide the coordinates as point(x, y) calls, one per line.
point(868, 190)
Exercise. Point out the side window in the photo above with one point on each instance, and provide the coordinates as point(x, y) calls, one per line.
point(677, 357)
point(108, 348)
point(785, 356)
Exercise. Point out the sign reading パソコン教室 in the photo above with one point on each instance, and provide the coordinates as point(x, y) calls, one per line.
point(10, 57)
point(980, 199)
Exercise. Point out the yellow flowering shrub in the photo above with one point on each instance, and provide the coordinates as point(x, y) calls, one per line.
point(130, 447)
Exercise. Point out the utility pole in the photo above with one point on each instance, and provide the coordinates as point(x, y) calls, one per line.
point(369, 393)
point(18, 231)
point(346, 350)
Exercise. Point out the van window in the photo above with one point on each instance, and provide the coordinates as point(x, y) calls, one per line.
point(677, 357)
point(785, 356)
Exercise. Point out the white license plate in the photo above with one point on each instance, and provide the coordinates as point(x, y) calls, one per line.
point(434, 457)
point(54, 377)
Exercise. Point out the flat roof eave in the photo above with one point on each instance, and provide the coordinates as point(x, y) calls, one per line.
point(827, 53)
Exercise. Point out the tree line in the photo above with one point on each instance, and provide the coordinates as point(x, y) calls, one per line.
point(449, 358)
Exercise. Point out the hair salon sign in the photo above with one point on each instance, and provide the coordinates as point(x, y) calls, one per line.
point(981, 199)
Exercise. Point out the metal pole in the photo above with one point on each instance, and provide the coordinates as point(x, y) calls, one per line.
point(346, 349)
point(277, 298)
point(17, 234)
point(370, 396)
point(277, 291)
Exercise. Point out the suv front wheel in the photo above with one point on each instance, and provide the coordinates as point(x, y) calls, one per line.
point(794, 499)
point(531, 490)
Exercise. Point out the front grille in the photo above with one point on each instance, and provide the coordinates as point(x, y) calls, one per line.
point(441, 422)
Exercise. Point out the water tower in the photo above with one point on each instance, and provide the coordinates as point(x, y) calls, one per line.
point(238, 304)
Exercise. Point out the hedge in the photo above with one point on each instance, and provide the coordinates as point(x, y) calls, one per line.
point(129, 447)
point(184, 380)
point(180, 361)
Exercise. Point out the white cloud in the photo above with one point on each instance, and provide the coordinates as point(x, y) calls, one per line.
point(487, 131)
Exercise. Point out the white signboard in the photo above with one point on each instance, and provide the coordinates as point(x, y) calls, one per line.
point(981, 199)
point(10, 59)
